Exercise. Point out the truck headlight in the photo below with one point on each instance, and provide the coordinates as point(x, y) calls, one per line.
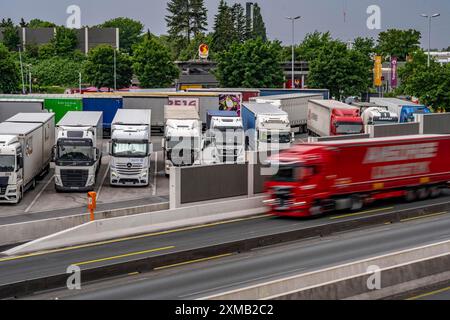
point(114, 174)
point(58, 180)
point(144, 173)
point(91, 180)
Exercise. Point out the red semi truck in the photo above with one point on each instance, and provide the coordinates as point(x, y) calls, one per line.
point(337, 175)
point(333, 118)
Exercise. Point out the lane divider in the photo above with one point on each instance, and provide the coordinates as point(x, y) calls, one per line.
point(88, 245)
point(122, 256)
point(193, 261)
point(424, 216)
point(360, 213)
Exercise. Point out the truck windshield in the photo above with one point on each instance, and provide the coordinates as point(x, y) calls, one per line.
point(349, 128)
point(183, 143)
point(294, 173)
point(7, 163)
point(229, 136)
point(129, 149)
point(73, 151)
point(275, 137)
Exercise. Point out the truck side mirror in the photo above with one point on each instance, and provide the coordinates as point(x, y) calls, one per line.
point(97, 154)
point(54, 154)
point(109, 148)
point(150, 148)
point(162, 142)
point(293, 136)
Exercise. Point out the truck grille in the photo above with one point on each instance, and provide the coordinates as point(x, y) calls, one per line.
point(74, 178)
point(130, 169)
point(283, 198)
point(2, 191)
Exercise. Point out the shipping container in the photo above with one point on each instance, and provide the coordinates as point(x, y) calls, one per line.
point(60, 105)
point(272, 92)
point(12, 106)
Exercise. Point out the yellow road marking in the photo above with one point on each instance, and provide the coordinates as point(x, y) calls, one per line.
point(133, 273)
point(429, 293)
point(193, 261)
point(131, 238)
point(425, 216)
point(122, 256)
point(360, 213)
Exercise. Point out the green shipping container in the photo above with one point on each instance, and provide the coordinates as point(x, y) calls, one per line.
point(60, 106)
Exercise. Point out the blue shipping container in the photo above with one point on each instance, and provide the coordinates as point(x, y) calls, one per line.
point(107, 105)
point(273, 92)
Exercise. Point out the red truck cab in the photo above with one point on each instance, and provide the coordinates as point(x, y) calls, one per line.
point(346, 121)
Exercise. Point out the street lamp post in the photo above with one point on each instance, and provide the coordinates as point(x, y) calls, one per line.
point(293, 52)
point(115, 71)
point(21, 70)
point(429, 33)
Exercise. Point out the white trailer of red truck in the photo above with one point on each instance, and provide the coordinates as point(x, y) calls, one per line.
point(295, 105)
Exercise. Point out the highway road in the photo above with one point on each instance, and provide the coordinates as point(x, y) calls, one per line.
point(195, 280)
point(13, 269)
point(436, 294)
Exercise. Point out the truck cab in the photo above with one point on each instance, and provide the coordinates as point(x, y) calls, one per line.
point(225, 137)
point(78, 151)
point(182, 143)
point(408, 112)
point(11, 169)
point(130, 148)
point(379, 115)
point(346, 121)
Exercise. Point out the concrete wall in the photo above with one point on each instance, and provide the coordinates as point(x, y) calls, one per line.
point(26, 231)
point(349, 279)
point(391, 130)
point(337, 138)
point(114, 228)
point(202, 183)
point(436, 123)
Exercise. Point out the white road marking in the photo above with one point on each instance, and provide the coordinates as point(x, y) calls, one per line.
point(101, 183)
point(38, 195)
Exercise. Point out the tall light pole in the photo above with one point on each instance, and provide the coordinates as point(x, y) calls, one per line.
point(429, 33)
point(21, 70)
point(293, 44)
point(115, 71)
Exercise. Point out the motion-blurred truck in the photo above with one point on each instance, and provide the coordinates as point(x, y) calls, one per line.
point(333, 118)
point(130, 147)
point(224, 137)
point(405, 109)
point(26, 142)
point(337, 175)
point(78, 151)
point(182, 142)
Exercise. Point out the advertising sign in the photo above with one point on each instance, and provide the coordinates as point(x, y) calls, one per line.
point(394, 79)
point(378, 72)
point(203, 51)
point(181, 101)
point(230, 102)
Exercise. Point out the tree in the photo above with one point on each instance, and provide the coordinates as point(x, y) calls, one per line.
point(65, 41)
point(198, 17)
point(259, 27)
point(37, 23)
point(398, 43)
point(11, 37)
point(239, 22)
point(345, 72)
point(130, 31)
point(186, 18)
point(57, 71)
point(98, 68)
point(10, 75)
point(252, 64)
point(153, 64)
point(224, 32)
point(312, 43)
point(364, 45)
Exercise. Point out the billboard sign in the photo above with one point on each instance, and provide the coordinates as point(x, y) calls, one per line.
point(378, 72)
point(203, 51)
point(394, 75)
point(230, 102)
point(181, 101)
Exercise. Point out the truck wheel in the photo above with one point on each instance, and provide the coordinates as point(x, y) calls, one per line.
point(357, 203)
point(435, 192)
point(33, 184)
point(423, 193)
point(410, 195)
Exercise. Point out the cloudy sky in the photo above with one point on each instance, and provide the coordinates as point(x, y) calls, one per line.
point(322, 15)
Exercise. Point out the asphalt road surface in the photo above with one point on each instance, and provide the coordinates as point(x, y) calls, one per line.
point(219, 274)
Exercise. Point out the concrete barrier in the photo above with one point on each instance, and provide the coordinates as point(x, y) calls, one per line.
point(434, 123)
point(338, 138)
point(112, 228)
point(351, 279)
point(391, 130)
point(27, 231)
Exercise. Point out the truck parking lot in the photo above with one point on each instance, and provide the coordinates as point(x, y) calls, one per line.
point(44, 197)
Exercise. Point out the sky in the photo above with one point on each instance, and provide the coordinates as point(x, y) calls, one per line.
point(321, 15)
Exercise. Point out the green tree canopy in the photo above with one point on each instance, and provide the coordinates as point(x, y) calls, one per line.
point(345, 72)
point(130, 31)
point(224, 32)
point(37, 23)
point(9, 71)
point(312, 43)
point(98, 69)
point(153, 64)
point(259, 27)
point(252, 64)
point(11, 37)
point(63, 44)
point(57, 71)
point(399, 43)
point(240, 22)
point(364, 45)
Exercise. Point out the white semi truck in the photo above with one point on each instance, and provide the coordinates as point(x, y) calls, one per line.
point(78, 150)
point(373, 114)
point(26, 142)
point(224, 138)
point(267, 127)
point(295, 105)
point(130, 147)
point(182, 142)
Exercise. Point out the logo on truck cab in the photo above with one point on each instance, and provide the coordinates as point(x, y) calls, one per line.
point(401, 153)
